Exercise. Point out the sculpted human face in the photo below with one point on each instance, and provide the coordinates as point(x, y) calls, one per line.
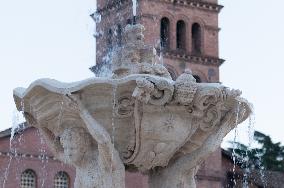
point(75, 146)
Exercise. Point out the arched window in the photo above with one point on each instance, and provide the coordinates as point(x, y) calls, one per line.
point(196, 38)
point(61, 180)
point(109, 39)
point(165, 33)
point(197, 78)
point(181, 35)
point(119, 35)
point(28, 179)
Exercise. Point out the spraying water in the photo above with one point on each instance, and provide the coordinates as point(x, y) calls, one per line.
point(134, 7)
point(44, 159)
point(12, 151)
point(15, 126)
point(246, 161)
point(161, 58)
point(112, 121)
point(105, 70)
point(234, 154)
point(258, 154)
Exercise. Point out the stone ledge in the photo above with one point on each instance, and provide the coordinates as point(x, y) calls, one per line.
point(176, 54)
point(195, 4)
point(209, 178)
point(188, 3)
point(197, 59)
point(26, 155)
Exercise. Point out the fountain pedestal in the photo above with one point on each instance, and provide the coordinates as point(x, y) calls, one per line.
point(140, 118)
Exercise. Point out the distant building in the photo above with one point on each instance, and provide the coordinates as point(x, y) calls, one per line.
point(185, 31)
point(28, 163)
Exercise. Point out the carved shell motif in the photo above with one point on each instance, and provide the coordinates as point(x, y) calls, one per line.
point(185, 88)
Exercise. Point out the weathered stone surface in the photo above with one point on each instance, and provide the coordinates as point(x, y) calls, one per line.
point(140, 118)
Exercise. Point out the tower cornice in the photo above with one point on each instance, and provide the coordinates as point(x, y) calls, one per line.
point(181, 55)
point(196, 59)
point(194, 4)
point(187, 3)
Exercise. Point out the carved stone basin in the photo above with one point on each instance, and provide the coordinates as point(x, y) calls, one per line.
point(152, 120)
point(146, 132)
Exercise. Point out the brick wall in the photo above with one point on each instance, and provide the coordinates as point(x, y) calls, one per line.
point(152, 12)
point(29, 147)
point(149, 13)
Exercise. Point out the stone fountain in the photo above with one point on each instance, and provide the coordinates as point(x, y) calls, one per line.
point(140, 119)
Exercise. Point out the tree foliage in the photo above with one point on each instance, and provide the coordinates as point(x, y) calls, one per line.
point(268, 155)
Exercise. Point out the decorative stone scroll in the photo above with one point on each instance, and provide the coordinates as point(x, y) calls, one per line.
point(153, 91)
point(125, 106)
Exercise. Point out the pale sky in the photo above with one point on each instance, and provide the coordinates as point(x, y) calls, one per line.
point(40, 38)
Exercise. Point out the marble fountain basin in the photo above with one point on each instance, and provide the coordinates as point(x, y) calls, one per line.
point(151, 119)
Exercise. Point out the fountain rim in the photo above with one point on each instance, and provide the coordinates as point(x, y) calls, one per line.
point(59, 87)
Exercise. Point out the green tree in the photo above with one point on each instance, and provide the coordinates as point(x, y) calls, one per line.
point(268, 155)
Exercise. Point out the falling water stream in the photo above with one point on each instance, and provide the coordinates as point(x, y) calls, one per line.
point(249, 133)
point(234, 154)
point(235, 157)
point(114, 91)
point(18, 141)
point(134, 7)
point(161, 57)
point(12, 150)
point(259, 155)
point(44, 160)
point(246, 161)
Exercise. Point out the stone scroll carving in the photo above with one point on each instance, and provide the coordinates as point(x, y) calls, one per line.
point(153, 91)
point(125, 106)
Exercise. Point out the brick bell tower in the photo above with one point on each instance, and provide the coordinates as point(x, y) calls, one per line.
point(185, 32)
